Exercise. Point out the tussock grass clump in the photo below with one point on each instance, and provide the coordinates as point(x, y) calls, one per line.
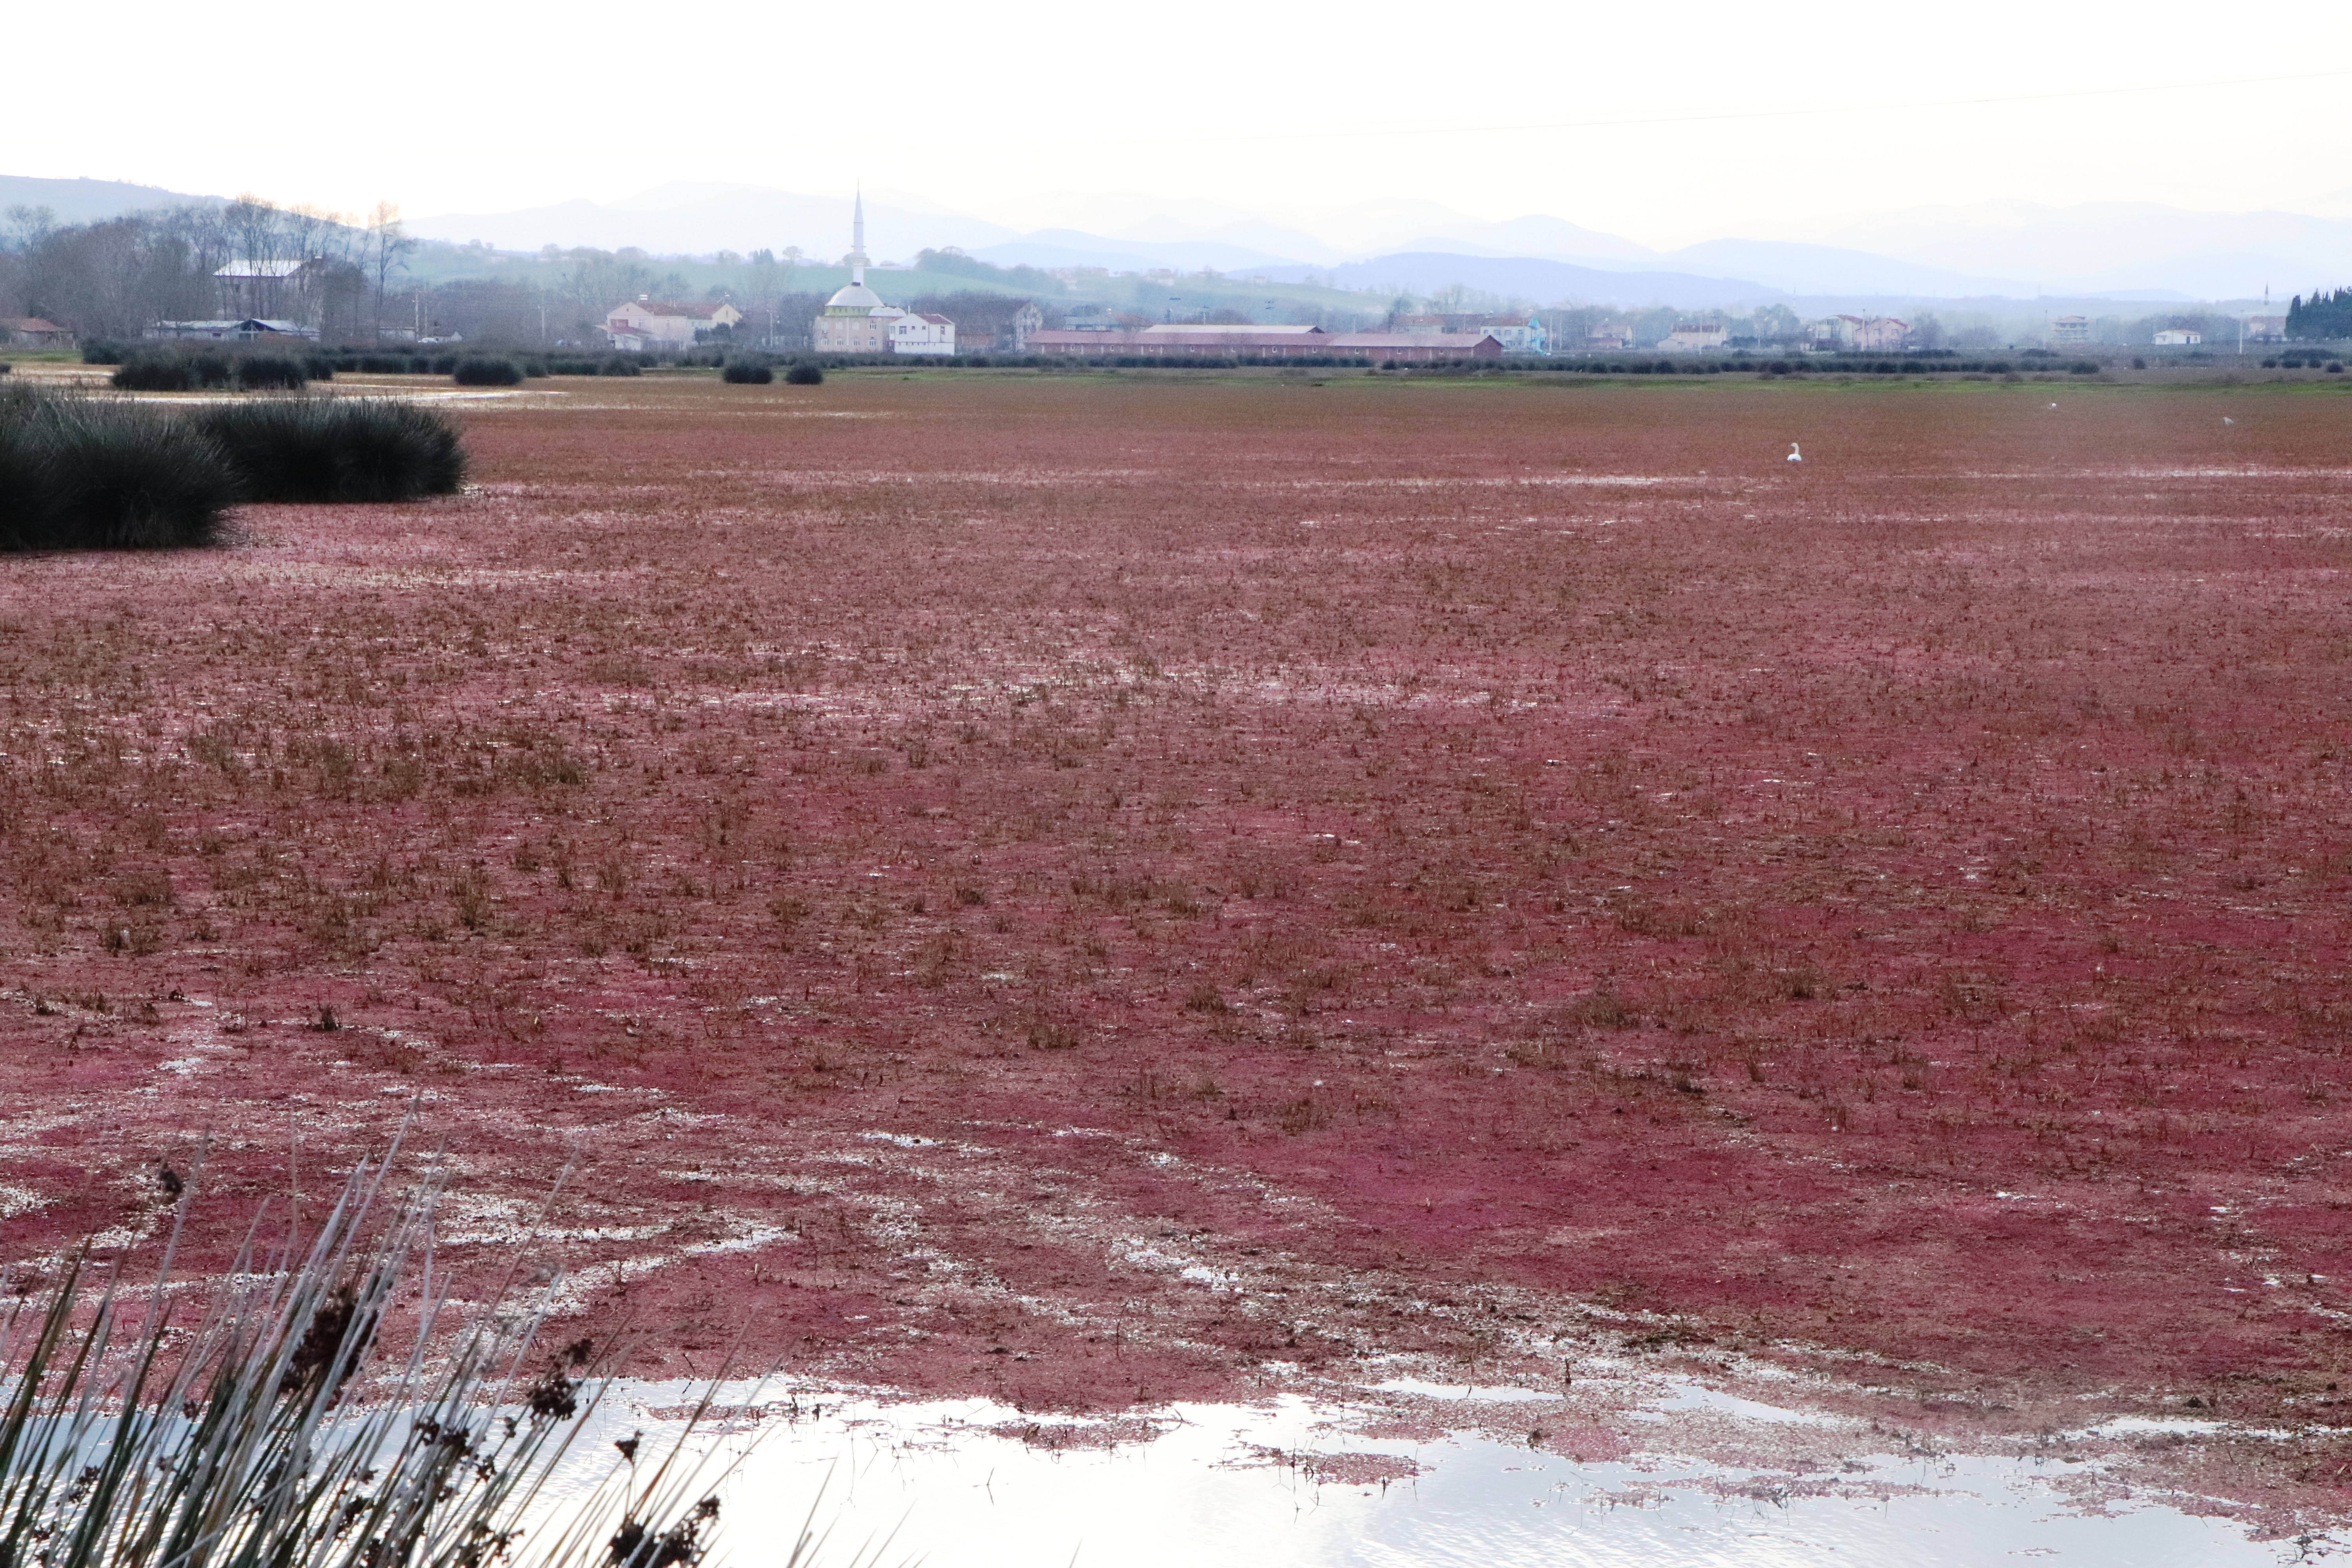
point(28, 485)
point(487, 372)
point(76, 474)
point(348, 449)
point(594, 365)
point(747, 372)
point(272, 372)
point(805, 375)
point(172, 372)
point(588, 364)
point(86, 474)
point(152, 375)
point(273, 1424)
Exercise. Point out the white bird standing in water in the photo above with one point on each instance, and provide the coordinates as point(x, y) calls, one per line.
point(1795, 456)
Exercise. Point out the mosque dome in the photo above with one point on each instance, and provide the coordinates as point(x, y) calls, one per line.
point(857, 297)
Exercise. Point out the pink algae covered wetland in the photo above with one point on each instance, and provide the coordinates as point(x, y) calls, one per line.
point(1094, 890)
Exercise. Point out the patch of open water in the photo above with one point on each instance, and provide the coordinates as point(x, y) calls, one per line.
point(971, 1483)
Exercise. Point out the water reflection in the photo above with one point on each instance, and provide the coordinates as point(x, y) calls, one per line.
point(1407, 1474)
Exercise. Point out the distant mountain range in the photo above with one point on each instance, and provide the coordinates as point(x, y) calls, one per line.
point(1528, 277)
point(87, 201)
point(695, 218)
point(2014, 250)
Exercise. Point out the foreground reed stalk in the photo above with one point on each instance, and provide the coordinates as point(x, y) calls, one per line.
point(276, 1427)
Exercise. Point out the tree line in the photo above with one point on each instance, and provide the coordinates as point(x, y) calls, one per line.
point(115, 277)
point(2323, 316)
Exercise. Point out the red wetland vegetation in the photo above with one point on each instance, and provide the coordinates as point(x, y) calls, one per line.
point(1098, 890)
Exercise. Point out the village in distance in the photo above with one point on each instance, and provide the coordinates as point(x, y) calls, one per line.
point(251, 270)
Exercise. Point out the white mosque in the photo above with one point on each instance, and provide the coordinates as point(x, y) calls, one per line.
point(857, 321)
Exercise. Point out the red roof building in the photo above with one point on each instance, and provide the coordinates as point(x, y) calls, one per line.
point(33, 332)
point(1266, 343)
point(1187, 343)
point(1416, 347)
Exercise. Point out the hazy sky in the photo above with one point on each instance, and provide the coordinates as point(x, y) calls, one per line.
point(1511, 108)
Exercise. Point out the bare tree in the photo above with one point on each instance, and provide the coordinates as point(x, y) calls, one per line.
point(252, 222)
point(28, 226)
point(112, 279)
point(318, 234)
point(600, 279)
point(385, 249)
point(770, 276)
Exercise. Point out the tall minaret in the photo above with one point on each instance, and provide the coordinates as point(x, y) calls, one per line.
point(857, 244)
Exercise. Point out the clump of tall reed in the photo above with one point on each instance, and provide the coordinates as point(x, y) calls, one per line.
point(172, 372)
point(486, 371)
point(205, 369)
point(276, 1426)
point(337, 449)
point(281, 372)
point(79, 473)
point(582, 364)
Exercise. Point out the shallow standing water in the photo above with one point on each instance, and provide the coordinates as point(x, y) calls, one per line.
point(967, 1483)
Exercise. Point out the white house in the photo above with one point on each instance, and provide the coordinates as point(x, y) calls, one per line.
point(1867, 334)
point(1883, 334)
point(2071, 330)
point(1518, 334)
point(273, 290)
point(666, 324)
point(1696, 337)
point(1026, 319)
point(2177, 337)
point(912, 334)
point(2266, 329)
point(1002, 323)
point(1610, 337)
